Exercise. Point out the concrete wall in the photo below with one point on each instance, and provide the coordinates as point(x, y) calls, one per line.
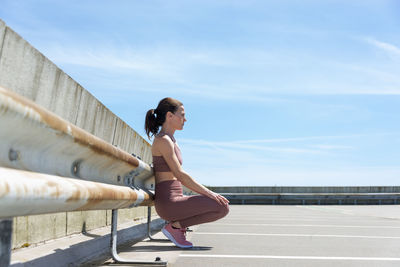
point(305, 189)
point(26, 71)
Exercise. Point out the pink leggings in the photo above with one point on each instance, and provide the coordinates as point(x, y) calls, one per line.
point(172, 206)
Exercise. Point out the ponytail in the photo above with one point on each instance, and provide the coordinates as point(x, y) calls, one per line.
point(151, 127)
point(156, 117)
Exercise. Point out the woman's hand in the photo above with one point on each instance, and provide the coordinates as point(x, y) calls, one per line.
point(217, 197)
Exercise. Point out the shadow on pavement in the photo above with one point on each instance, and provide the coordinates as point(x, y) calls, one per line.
point(161, 248)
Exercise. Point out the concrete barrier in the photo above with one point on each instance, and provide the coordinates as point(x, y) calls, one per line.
point(29, 73)
point(306, 189)
point(317, 195)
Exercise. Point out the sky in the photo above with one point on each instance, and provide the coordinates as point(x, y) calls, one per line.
point(276, 93)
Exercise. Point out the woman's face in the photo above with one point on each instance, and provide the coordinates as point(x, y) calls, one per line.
point(178, 119)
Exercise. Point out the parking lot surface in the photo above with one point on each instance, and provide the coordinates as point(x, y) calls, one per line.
point(265, 235)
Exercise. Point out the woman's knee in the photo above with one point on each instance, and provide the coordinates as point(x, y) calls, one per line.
point(223, 210)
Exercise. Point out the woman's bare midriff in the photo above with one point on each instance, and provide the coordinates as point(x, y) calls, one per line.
point(164, 176)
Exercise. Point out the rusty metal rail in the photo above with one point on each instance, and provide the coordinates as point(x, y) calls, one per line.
point(35, 139)
point(27, 193)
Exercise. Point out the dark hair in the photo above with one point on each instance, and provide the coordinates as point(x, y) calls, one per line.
point(156, 117)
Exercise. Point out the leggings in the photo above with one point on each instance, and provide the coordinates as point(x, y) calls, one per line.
point(172, 206)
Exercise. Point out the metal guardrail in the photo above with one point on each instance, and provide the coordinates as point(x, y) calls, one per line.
point(50, 165)
point(35, 139)
point(28, 193)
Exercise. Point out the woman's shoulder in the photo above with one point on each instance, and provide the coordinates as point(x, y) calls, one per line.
point(162, 145)
point(162, 140)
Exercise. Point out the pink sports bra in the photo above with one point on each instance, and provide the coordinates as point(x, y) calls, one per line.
point(159, 163)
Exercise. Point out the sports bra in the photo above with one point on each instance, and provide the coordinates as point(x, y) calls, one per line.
point(159, 163)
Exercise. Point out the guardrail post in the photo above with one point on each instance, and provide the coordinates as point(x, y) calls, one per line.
point(149, 227)
point(5, 241)
point(113, 246)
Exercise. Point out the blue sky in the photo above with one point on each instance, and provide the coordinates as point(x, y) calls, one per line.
point(276, 92)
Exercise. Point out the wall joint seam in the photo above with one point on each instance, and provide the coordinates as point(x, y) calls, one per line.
point(2, 43)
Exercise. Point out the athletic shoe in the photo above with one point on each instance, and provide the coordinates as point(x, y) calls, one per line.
point(177, 236)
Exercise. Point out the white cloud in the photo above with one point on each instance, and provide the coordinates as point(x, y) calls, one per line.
point(283, 140)
point(110, 58)
point(229, 74)
point(297, 151)
point(390, 48)
point(236, 146)
point(331, 147)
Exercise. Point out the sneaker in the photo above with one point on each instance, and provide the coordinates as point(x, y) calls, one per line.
point(177, 236)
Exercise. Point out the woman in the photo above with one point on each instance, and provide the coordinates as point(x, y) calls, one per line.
point(181, 211)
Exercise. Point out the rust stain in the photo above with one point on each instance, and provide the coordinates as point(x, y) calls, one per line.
point(6, 190)
point(26, 189)
point(4, 109)
point(101, 195)
point(101, 147)
point(76, 196)
point(44, 189)
point(51, 184)
point(148, 201)
point(57, 192)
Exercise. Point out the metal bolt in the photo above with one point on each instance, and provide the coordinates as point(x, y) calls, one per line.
point(76, 167)
point(13, 155)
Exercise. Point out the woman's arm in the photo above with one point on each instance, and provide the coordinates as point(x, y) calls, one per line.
point(166, 148)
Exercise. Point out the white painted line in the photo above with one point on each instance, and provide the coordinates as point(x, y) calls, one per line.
point(297, 220)
point(290, 257)
point(267, 216)
point(303, 235)
point(308, 225)
point(324, 208)
point(249, 217)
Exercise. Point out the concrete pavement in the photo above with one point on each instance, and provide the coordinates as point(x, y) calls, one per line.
point(285, 236)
